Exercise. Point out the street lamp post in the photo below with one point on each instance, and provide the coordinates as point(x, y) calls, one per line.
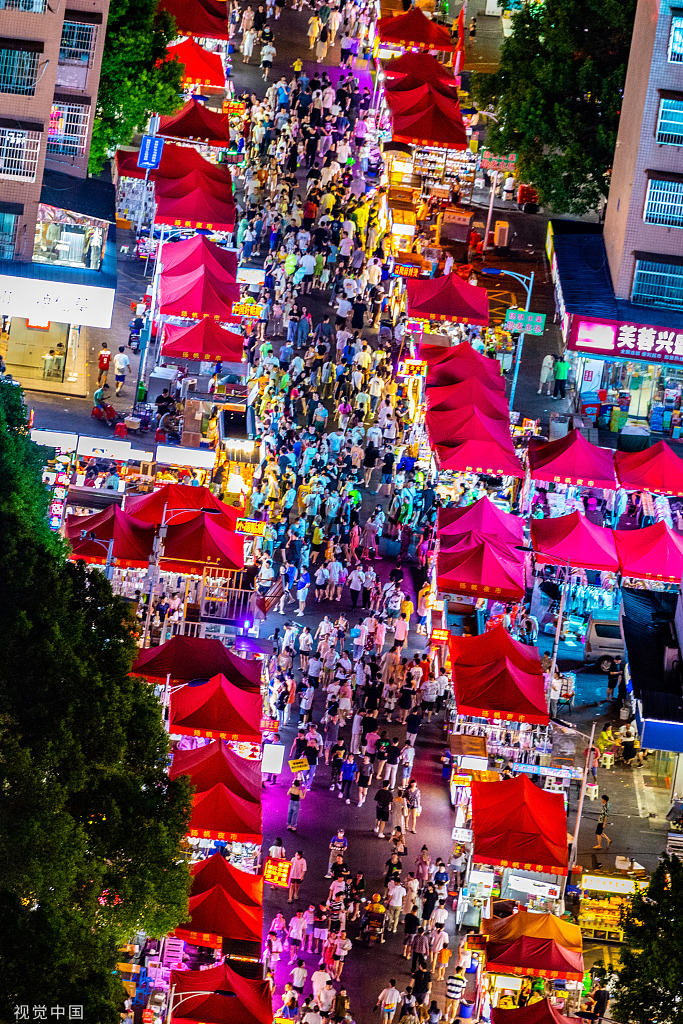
point(108, 544)
point(527, 283)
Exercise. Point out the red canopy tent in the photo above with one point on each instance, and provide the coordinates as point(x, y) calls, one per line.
point(176, 162)
point(439, 126)
point(181, 185)
point(204, 340)
point(538, 958)
point(201, 67)
point(572, 460)
point(410, 96)
point(415, 29)
point(251, 1003)
point(542, 1012)
point(216, 762)
point(452, 364)
point(487, 457)
point(501, 690)
point(192, 657)
point(132, 539)
point(494, 645)
point(202, 541)
point(658, 469)
point(197, 294)
point(516, 824)
point(449, 427)
point(216, 708)
point(246, 888)
point(198, 208)
point(215, 915)
point(195, 121)
point(652, 553)
point(219, 814)
point(447, 298)
point(421, 65)
point(483, 568)
point(474, 393)
point(483, 516)
point(206, 19)
point(176, 503)
point(576, 540)
point(196, 253)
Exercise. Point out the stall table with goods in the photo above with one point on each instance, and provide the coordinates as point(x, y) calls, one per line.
point(603, 899)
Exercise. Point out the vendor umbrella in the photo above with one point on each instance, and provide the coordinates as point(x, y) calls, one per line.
point(483, 515)
point(656, 469)
point(176, 503)
point(216, 762)
point(534, 926)
point(493, 645)
point(200, 542)
point(200, 66)
point(215, 915)
point(205, 340)
point(500, 691)
point(439, 126)
point(572, 460)
point(216, 708)
point(408, 97)
point(652, 553)
point(474, 394)
point(447, 298)
point(481, 568)
point(487, 457)
point(246, 888)
point(193, 657)
point(178, 186)
point(219, 814)
point(230, 998)
point(197, 122)
point(90, 537)
point(196, 253)
point(575, 540)
point(457, 363)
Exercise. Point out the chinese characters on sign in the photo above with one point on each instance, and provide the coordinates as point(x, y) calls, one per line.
point(234, 106)
point(251, 527)
point(527, 323)
point(299, 764)
point(440, 636)
point(246, 309)
point(404, 270)
point(493, 162)
point(626, 340)
point(151, 149)
point(411, 368)
point(25, 1012)
point(277, 872)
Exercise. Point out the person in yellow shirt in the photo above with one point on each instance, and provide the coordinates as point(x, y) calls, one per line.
point(408, 607)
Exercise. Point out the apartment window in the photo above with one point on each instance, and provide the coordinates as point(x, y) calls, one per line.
point(664, 203)
point(76, 52)
point(18, 71)
point(68, 129)
point(19, 153)
point(8, 234)
point(27, 6)
point(676, 40)
point(670, 122)
point(658, 284)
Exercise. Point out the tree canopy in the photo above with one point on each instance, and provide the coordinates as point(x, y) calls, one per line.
point(557, 96)
point(649, 981)
point(90, 825)
point(136, 78)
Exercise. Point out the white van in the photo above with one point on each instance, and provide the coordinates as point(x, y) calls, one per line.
point(604, 639)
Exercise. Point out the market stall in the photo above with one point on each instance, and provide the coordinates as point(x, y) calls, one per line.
point(183, 658)
point(657, 470)
point(500, 691)
point(574, 540)
point(176, 503)
point(216, 762)
point(474, 393)
point(485, 517)
point(481, 567)
point(197, 123)
point(110, 538)
point(603, 899)
point(481, 457)
point(250, 999)
point(200, 68)
point(544, 1011)
point(456, 363)
point(216, 708)
point(572, 460)
point(205, 341)
point(651, 553)
point(216, 916)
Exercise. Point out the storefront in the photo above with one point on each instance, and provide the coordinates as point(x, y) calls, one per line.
point(184, 465)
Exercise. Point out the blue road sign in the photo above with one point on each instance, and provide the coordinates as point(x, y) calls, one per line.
point(151, 149)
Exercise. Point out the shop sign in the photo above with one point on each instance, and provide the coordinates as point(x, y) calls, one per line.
point(411, 368)
point(457, 217)
point(624, 340)
point(440, 636)
point(299, 764)
point(277, 872)
point(494, 162)
point(461, 780)
point(403, 270)
point(248, 309)
point(269, 724)
point(534, 888)
point(234, 106)
point(147, 1016)
point(250, 527)
point(597, 883)
point(524, 323)
point(560, 772)
point(56, 301)
point(462, 835)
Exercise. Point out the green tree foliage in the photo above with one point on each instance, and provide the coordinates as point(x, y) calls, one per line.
point(558, 95)
point(649, 981)
point(90, 825)
point(136, 78)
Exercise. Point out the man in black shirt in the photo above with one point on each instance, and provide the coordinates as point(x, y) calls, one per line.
point(410, 926)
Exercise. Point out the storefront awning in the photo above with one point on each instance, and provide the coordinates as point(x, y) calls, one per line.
point(176, 503)
point(197, 252)
point(575, 540)
point(205, 340)
point(487, 457)
point(206, 19)
point(516, 824)
point(423, 66)
point(201, 67)
point(197, 122)
point(199, 293)
point(410, 96)
point(200, 542)
point(572, 460)
point(176, 162)
point(500, 691)
point(474, 393)
point(415, 29)
point(216, 708)
point(485, 517)
point(193, 657)
point(535, 958)
point(657, 469)
point(216, 762)
point(219, 814)
point(249, 1003)
point(132, 540)
point(216, 915)
point(542, 1012)
point(440, 126)
point(493, 645)
point(482, 568)
point(652, 553)
point(216, 870)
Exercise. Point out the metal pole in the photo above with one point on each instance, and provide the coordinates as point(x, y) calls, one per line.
point(108, 567)
point(157, 551)
point(494, 186)
point(558, 630)
point(169, 1011)
point(152, 308)
point(520, 343)
point(584, 783)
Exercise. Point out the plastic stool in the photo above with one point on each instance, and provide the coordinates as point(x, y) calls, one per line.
point(160, 435)
point(607, 759)
point(120, 430)
point(592, 791)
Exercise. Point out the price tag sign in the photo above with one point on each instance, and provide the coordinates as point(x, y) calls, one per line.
point(522, 322)
point(299, 764)
point(250, 527)
point(277, 872)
